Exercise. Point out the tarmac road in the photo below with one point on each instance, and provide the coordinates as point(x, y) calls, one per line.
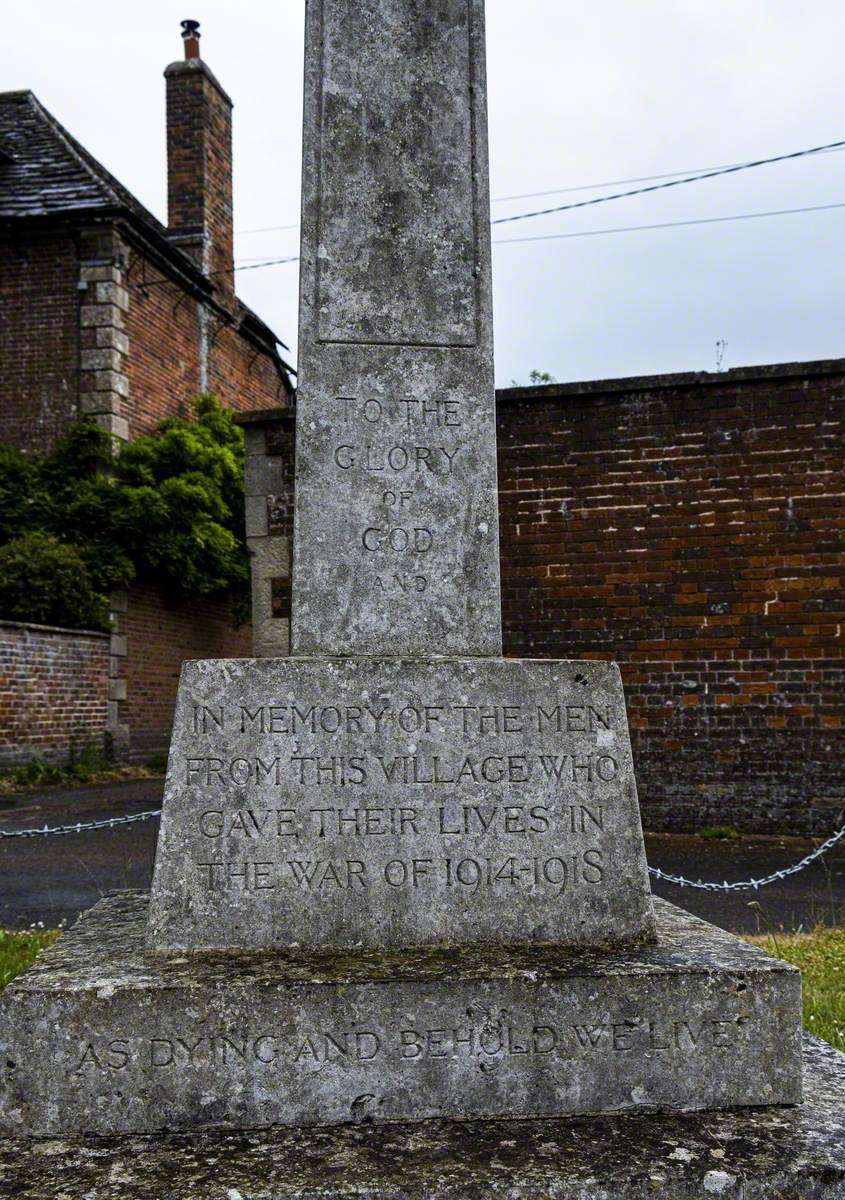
point(50, 880)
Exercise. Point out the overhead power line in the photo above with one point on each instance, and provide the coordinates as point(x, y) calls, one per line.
point(554, 237)
point(269, 262)
point(657, 187)
point(691, 176)
point(590, 187)
point(780, 212)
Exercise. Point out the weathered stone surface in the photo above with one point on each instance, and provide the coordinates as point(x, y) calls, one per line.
point(96, 1037)
point(396, 538)
point(368, 802)
point(747, 1154)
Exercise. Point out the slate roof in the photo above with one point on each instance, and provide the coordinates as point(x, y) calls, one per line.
point(50, 173)
point(45, 172)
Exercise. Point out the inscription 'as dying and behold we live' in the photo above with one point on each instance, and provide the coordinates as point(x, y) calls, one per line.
point(549, 841)
point(487, 1041)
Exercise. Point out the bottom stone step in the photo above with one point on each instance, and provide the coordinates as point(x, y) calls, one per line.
point(795, 1153)
point(100, 1037)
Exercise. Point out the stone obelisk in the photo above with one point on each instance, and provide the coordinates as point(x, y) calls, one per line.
point(445, 845)
point(396, 782)
point(396, 535)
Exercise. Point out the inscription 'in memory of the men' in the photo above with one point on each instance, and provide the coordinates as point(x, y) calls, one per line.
point(437, 801)
point(555, 821)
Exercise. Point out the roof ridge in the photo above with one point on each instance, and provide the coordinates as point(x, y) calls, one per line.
point(76, 149)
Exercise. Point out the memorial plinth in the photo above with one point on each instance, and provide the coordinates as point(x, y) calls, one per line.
point(368, 802)
point(120, 1042)
point(795, 1153)
point(398, 877)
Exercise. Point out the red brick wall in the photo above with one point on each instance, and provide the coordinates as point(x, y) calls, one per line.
point(242, 378)
point(163, 360)
point(159, 637)
point(165, 347)
point(53, 689)
point(693, 528)
point(39, 337)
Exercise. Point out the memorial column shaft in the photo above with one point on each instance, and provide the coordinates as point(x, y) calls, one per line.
point(396, 529)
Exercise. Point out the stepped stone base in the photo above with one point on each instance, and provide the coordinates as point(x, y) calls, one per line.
point(99, 1037)
point(746, 1154)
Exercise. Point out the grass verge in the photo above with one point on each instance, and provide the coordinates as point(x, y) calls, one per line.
point(820, 956)
point(37, 775)
point(17, 950)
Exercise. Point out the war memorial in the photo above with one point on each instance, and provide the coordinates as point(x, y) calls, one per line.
point(400, 940)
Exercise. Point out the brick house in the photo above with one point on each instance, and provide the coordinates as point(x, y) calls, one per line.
point(106, 311)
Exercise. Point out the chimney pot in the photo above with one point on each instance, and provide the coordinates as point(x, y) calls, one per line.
point(191, 38)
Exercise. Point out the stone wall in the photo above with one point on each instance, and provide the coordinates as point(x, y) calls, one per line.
point(268, 479)
point(693, 527)
point(53, 691)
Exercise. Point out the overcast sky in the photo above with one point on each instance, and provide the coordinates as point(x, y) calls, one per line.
point(579, 94)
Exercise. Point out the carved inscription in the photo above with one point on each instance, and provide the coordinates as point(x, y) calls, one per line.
point(392, 448)
point(561, 868)
point(480, 1036)
point(408, 718)
point(488, 800)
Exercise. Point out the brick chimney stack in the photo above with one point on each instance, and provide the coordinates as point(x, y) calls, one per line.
point(199, 164)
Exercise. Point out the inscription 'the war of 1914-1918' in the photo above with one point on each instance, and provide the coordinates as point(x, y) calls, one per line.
point(482, 800)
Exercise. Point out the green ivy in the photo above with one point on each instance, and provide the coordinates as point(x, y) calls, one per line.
point(46, 581)
point(165, 509)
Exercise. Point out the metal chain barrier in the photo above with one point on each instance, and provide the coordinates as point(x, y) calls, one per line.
point(81, 826)
point(746, 884)
point(655, 872)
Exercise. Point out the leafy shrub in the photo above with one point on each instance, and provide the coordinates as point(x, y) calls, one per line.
point(44, 580)
point(180, 503)
point(166, 509)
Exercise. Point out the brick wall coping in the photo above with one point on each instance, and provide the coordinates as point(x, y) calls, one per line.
point(684, 379)
point(264, 416)
point(95, 633)
point(599, 387)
